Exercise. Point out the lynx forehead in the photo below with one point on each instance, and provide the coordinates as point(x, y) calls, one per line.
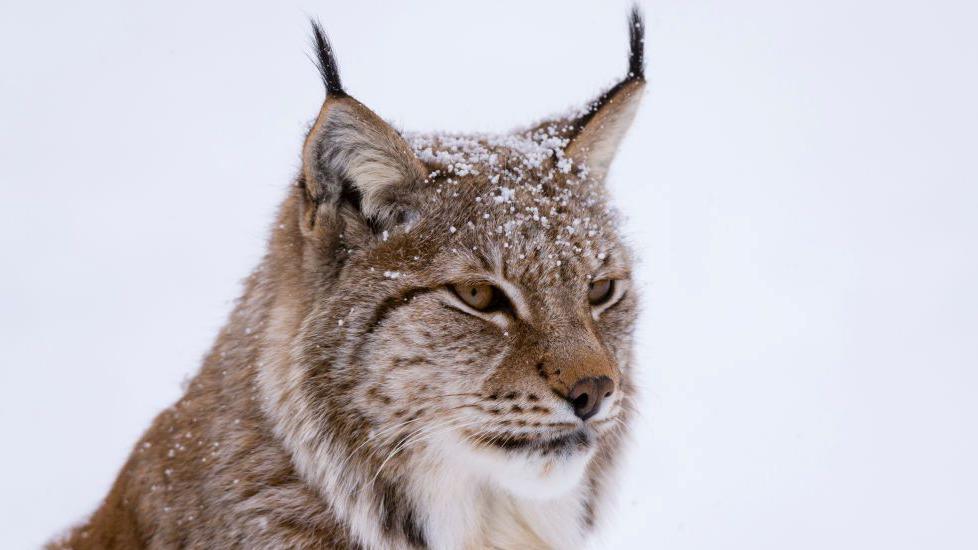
point(435, 351)
point(531, 193)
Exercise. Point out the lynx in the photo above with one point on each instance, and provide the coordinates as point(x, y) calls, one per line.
point(435, 351)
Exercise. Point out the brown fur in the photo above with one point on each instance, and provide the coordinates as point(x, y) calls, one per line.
point(301, 429)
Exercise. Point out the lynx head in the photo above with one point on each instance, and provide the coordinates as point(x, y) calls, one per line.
point(462, 300)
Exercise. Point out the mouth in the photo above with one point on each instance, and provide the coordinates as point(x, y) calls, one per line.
point(541, 444)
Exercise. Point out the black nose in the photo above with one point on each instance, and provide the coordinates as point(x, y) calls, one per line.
point(588, 393)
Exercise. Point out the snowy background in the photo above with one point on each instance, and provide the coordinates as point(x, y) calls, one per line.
point(801, 184)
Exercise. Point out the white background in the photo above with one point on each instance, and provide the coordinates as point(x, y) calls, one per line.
point(800, 184)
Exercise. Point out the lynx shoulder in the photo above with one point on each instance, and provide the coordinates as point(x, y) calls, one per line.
point(435, 351)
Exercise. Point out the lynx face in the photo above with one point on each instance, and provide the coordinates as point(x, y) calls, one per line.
point(496, 322)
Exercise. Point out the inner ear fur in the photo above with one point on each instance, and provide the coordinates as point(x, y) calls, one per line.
point(353, 160)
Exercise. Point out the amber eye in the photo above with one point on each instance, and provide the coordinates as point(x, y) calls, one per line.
point(478, 297)
point(600, 291)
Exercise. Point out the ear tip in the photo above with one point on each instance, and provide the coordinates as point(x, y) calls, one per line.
point(326, 61)
point(636, 42)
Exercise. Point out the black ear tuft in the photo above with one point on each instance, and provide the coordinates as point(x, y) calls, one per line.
point(325, 61)
point(597, 132)
point(636, 54)
point(636, 68)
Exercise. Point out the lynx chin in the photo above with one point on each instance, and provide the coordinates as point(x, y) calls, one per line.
point(435, 351)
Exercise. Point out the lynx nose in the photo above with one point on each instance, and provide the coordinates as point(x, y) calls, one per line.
point(588, 393)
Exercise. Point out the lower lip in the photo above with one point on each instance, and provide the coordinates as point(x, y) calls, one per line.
point(578, 440)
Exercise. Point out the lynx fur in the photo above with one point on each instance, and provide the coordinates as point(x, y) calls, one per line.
point(354, 400)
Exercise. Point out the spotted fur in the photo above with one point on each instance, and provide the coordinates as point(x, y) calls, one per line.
point(353, 401)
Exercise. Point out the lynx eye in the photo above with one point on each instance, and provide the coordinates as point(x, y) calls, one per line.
point(480, 297)
point(600, 291)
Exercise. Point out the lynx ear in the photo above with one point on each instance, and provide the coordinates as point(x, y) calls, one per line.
point(351, 156)
point(598, 132)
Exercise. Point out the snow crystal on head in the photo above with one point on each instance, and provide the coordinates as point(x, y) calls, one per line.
point(528, 194)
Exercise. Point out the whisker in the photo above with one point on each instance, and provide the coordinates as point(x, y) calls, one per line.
point(407, 441)
point(467, 394)
point(395, 428)
point(378, 435)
